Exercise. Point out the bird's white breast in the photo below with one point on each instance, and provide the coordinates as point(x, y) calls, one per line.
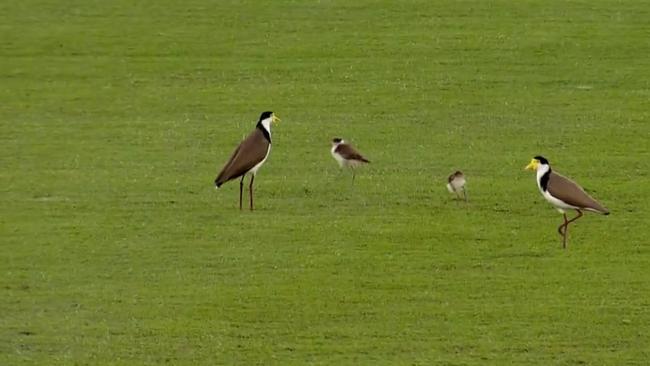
point(258, 165)
point(559, 205)
point(458, 183)
point(337, 156)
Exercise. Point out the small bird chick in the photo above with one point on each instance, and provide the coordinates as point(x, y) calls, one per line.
point(456, 184)
point(347, 156)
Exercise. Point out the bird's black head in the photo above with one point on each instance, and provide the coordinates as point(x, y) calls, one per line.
point(337, 140)
point(541, 159)
point(265, 115)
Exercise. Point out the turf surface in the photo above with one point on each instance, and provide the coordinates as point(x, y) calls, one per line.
point(117, 250)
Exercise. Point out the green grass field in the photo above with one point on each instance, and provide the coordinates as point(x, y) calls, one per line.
point(117, 250)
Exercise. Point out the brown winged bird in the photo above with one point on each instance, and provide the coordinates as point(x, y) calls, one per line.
point(563, 193)
point(346, 155)
point(249, 156)
point(456, 184)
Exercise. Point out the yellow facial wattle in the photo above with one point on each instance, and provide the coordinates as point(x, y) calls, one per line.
point(532, 165)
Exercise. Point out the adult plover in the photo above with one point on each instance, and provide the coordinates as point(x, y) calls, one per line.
point(249, 156)
point(563, 193)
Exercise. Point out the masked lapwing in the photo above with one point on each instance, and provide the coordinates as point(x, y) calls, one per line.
point(346, 155)
point(456, 184)
point(563, 193)
point(249, 156)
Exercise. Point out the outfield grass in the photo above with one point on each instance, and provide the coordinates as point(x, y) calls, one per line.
point(117, 250)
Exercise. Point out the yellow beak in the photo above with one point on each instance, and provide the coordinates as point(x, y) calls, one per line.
point(275, 119)
point(532, 165)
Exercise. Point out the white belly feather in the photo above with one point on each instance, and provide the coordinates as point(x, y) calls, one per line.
point(342, 162)
point(258, 165)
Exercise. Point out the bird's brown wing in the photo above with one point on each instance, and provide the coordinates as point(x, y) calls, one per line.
point(570, 192)
point(349, 153)
point(249, 153)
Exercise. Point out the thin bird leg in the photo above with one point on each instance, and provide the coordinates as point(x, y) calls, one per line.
point(559, 229)
point(575, 218)
point(566, 225)
point(464, 194)
point(241, 190)
point(250, 189)
point(563, 232)
point(353, 174)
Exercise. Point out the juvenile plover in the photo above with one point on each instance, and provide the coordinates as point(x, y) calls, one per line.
point(346, 155)
point(456, 184)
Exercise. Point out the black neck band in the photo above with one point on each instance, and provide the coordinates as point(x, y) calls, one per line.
point(266, 133)
point(543, 181)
